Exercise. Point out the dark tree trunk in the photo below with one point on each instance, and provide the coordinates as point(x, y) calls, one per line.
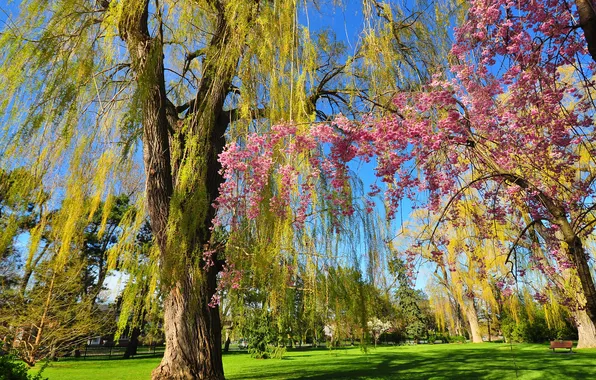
point(29, 267)
point(101, 278)
point(587, 21)
point(133, 344)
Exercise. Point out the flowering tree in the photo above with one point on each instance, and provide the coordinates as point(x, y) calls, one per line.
point(377, 327)
point(512, 121)
point(523, 135)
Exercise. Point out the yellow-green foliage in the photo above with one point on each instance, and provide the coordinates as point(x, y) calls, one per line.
point(72, 103)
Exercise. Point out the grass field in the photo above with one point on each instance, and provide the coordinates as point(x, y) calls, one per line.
point(443, 361)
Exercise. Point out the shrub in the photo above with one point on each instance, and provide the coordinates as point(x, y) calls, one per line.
point(456, 339)
point(536, 331)
point(12, 369)
point(432, 338)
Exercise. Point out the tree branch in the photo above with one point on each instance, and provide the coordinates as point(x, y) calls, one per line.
point(190, 57)
point(587, 21)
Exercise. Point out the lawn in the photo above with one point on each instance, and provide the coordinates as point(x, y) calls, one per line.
point(443, 361)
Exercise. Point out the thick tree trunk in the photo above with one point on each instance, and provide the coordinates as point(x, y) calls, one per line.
point(585, 326)
point(472, 317)
point(558, 215)
point(585, 329)
point(579, 257)
point(183, 180)
point(193, 334)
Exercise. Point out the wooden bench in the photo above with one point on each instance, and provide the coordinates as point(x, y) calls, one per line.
point(561, 344)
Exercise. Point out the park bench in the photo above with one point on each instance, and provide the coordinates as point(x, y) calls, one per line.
point(561, 344)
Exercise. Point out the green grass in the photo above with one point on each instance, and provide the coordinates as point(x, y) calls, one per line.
point(443, 361)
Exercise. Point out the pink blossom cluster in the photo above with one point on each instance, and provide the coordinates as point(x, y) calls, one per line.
point(249, 169)
point(208, 258)
point(505, 286)
point(541, 298)
point(229, 277)
point(215, 300)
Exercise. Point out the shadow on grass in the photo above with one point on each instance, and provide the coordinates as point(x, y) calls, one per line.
point(463, 362)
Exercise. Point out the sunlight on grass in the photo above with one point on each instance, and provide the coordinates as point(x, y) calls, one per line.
point(446, 361)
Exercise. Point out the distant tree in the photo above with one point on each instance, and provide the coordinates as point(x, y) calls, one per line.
point(51, 307)
point(412, 304)
point(377, 328)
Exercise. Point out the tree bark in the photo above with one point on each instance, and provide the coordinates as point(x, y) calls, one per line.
point(558, 215)
point(192, 330)
point(585, 330)
point(193, 335)
point(587, 21)
point(472, 317)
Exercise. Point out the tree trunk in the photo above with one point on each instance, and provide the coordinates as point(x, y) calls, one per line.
point(457, 318)
point(183, 180)
point(193, 334)
point(579, 257)
point(29, 267)
point(473, 322)
point(489, 333)
point(585, 329)
point(133, 344)
point(587, 21)
point(192, 329)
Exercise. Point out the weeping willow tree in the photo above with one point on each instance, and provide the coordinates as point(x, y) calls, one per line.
point(86, 84)
point(469, 259)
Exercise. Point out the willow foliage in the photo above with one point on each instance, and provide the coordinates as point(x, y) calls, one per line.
point(71, 115)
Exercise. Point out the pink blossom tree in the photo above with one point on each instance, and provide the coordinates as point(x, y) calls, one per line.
point(511, 120)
